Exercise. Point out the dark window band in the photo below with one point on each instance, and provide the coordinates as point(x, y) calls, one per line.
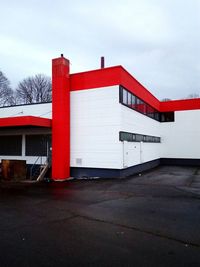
point(130, 100)
point(134, 137)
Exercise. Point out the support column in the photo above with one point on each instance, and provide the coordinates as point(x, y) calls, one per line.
point(60, 119)
point(23, 145)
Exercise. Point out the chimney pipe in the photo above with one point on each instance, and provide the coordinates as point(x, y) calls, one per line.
point(102, 62)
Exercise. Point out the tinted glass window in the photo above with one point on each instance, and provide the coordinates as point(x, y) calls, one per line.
point(132, 101)
point(150, 111)
point(125, 100)
point(167, 116)
point(11, 145)
point(36, 145)
point(129, 99)
point(139, 137)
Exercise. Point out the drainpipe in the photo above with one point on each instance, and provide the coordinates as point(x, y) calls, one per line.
point(141, 152)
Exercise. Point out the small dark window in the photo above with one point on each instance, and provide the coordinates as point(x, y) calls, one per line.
point(157, 139)
point(124, 136)
point(137, 106)
point(125, 97)
point(139, 138)
point(133, 101)
point(11, 145)
point(167, 116)
point(148, 138)
point(157, 116)
point(134, 137)
point(150, 111)
point(143, 107)
point(36, 145)
point(129, 99)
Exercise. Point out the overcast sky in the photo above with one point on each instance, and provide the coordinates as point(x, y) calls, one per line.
point(157, 41)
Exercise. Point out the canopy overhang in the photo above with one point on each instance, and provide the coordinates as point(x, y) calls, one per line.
point(24, 121)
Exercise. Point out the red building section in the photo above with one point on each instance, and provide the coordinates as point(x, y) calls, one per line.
point(60, 119)
point(178, 105)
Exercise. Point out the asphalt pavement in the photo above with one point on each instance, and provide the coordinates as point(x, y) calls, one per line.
point(150, 219)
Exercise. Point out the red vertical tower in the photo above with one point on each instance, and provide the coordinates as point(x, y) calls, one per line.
point(60, 119)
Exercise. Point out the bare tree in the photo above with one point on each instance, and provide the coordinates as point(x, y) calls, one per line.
point(193, 95)
point(6, 93)
point(35, 89)
point(166, 99)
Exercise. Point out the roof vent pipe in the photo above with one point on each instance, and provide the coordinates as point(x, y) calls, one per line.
point(102, 62)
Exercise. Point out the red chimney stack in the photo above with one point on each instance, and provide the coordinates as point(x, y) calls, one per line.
point(102, 62)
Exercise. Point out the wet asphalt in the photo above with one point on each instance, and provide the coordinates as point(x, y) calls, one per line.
point(152, 219)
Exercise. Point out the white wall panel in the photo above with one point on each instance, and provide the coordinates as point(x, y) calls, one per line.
point(180, 139)
point(96, 119)
point(135, 122)
point(95, 126)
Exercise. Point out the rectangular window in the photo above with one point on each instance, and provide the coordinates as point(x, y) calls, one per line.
point(139, 137)
point(167, 116)
point(36, 145)
point(157, 116)
point(137, 106)
point(133, 101)
point(133, 137)
point(150, 111)
point(11, 145)
point(129, 99)
point(125, 97)
point(142, 107)
point(148, 138)
point(124, 136)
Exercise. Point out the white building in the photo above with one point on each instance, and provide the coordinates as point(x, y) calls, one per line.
point(102, 123)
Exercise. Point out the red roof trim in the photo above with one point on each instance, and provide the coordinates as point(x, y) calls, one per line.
point(175, 105)
point(95, 78)
point(117, 75)
point(129, 82)
point(25, 121)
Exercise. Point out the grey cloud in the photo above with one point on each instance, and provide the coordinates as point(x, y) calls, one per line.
point(156, 41)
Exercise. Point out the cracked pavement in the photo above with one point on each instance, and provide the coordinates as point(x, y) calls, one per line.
point(147, 220)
